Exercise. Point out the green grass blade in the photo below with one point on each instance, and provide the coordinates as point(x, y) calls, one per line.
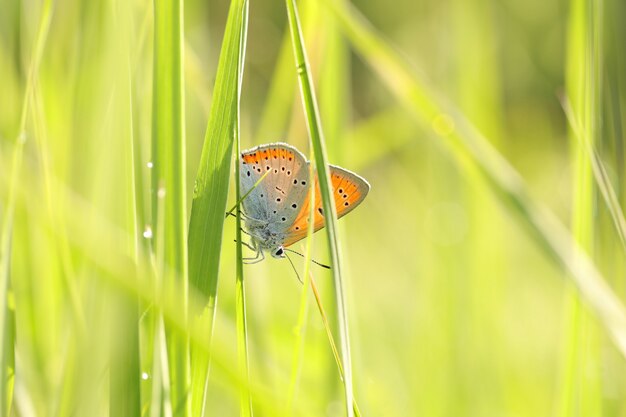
point(125, 374)
point(317, 140)
point(7, 328)
point(474, 153)
point(7, 317)
point(168, 156)
point(581, 387)
point(609, 194)
point(245, 400)
point(211, 191)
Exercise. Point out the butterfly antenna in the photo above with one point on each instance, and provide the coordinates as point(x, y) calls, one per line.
point(312, 260)
point(294, 269)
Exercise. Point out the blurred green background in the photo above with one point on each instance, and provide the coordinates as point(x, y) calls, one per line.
point(454, 309)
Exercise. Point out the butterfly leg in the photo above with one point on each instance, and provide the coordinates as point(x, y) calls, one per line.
point(243, 215)
point(259, 254)
point(247, 245)
point(255, 260)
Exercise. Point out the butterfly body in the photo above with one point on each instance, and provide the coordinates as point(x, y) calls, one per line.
point(277, 210)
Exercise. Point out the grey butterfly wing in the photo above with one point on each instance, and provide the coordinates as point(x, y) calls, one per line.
point(278, 197)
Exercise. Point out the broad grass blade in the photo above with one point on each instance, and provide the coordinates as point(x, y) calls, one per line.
point(206, 225)
point(169, 182)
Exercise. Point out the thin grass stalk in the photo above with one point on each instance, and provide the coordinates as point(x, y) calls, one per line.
point(242, 330)
point(243, 197)
point(162, 388)
point(150, 317)
point(609, 194)
point(581, 390)
point(7, 317)
point(475, 155)
point(336, 110)
point(331, 340)
point(168, 149)
point(302, 312)
point(7, 327)
point(317, 140)
point(570, 373)
point(300, 333)
point(240, 305)
point(240, 294)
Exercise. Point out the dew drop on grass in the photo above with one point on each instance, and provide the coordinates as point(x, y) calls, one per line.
point(150, 165)
point(161, 192)
point(196, 189)
point(145, 376)
point(147, 233)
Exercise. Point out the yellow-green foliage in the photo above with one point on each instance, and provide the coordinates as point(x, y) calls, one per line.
point(483, 274)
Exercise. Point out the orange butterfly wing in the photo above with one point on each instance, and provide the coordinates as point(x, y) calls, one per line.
point(349, 190)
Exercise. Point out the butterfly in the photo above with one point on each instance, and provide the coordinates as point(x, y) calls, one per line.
point(277, 210)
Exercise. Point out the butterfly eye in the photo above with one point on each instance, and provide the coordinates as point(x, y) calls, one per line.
point(279, 252)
